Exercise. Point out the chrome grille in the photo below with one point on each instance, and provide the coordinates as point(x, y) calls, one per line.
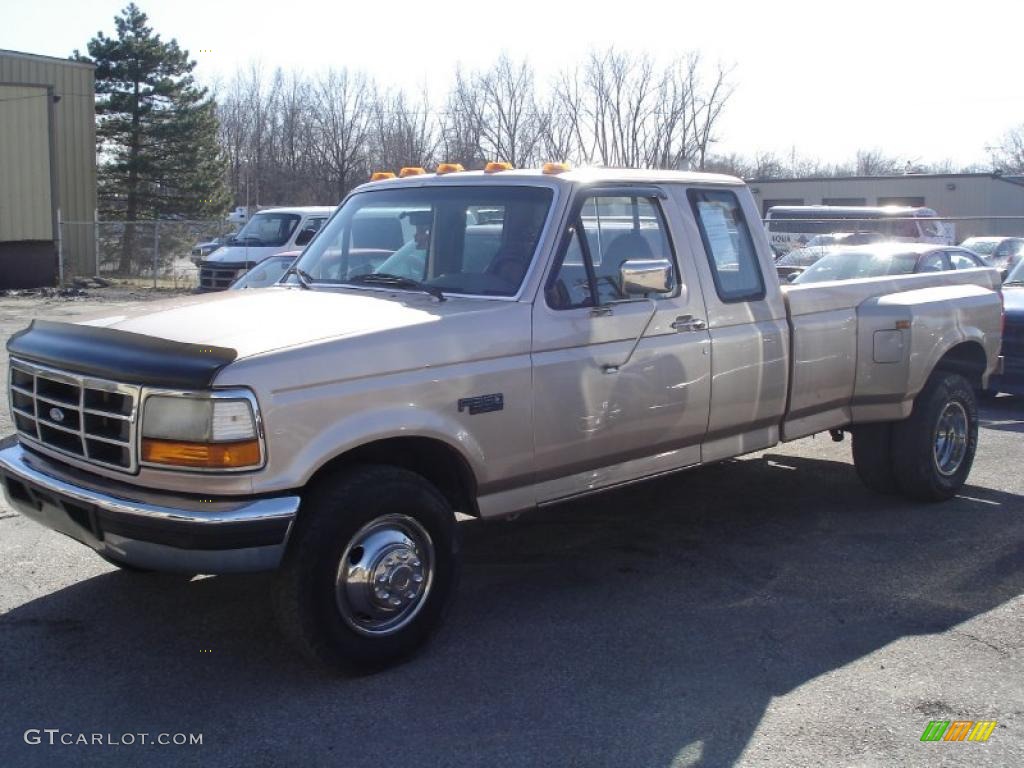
point(215, 276)
point(90, 419)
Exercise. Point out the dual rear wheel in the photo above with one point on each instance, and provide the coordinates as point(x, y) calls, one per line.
point(928, 455)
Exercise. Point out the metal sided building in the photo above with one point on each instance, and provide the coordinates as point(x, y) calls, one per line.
point(47, 168)
point(950, 194)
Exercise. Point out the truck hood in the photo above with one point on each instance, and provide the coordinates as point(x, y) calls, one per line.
point(260, 321)
point(235, 254)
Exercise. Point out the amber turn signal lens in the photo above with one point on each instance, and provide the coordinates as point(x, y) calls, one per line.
point(381, 175)
point(243, 453)
point(410, 171)
point(444, 168)
point(495, 167)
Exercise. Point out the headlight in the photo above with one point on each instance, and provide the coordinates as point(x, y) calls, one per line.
point(200, 432)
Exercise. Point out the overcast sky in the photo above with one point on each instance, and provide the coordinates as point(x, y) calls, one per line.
point(925, 81)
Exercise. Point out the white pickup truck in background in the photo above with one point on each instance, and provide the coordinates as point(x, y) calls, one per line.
point(536, 336)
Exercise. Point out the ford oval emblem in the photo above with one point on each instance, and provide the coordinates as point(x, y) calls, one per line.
point(57, 415)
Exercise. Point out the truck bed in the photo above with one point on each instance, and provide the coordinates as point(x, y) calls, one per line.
point(860, 349)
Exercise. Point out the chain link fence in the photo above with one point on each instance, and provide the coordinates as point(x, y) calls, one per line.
point(155, 254)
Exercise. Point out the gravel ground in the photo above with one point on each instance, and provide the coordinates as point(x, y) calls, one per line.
point(767, 611)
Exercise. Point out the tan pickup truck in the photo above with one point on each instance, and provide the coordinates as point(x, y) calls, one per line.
point(481, 343)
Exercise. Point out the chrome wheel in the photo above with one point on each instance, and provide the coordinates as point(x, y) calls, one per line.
point(385, 575)
point(951, 434)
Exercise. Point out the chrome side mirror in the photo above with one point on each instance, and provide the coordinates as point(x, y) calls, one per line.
point(642, 276)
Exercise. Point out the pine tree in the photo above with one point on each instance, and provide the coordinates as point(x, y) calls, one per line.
point(156, 130)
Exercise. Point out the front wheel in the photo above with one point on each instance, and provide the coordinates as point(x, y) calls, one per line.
point(371, 569)
point(933, 449)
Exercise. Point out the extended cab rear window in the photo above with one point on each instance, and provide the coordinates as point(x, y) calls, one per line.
point(728, 244)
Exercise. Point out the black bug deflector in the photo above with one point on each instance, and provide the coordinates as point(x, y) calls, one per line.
point(130, 358)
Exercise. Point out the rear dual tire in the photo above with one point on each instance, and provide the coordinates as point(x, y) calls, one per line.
point(927, 456)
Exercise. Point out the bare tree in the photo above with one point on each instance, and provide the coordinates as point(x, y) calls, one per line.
point(404, 133)
point(621, 109)
point(873, 162)
point(342, 107)
point(296, 139)
point(461, 129)
point(1008, 154)
point(510, 123)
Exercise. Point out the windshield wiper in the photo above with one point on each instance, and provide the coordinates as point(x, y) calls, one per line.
point(397, 281)
point(305, 279)
point(1013, 282)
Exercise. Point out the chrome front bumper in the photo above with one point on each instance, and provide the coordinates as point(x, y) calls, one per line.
point(152, 530)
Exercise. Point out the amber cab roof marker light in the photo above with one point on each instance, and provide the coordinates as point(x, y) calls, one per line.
point(552, 168)
point(444, 168)
point(411, 170)
point(381, 175)
point(496, 167)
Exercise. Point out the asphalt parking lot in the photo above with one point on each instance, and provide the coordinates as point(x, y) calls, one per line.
point(767, 611)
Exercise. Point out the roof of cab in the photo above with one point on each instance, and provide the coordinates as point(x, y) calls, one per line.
point(300, 209)
point(572, 176)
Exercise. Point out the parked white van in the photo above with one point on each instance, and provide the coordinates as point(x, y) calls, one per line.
point(267, 233)
point(793, 226)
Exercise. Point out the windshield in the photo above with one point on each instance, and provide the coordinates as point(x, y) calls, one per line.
point(476, 240)
point(856, 264)
point(267, 272)
point(980, 247)
point(268, 229)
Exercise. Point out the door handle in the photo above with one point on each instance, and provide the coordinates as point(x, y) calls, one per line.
point(688, 323)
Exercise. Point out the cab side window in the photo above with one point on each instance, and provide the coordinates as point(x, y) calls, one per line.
point(607, 232)
point(728, 244)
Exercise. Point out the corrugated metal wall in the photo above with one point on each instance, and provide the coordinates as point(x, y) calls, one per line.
point(25, 202)
point(74, 144)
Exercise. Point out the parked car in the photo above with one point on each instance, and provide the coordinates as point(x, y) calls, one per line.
point(201, 250)
point(1003, 253)
point(608, 326)
point(790, 265)
point(881, 259)
point(267, 272)
point(267, 233)
point(1011, 379)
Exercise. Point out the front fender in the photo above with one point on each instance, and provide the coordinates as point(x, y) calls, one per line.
point(366, 427)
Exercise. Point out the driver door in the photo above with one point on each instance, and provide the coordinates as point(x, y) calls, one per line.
point(621, 382)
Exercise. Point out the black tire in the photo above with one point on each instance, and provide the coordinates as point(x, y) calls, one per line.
point(306, 599)
point(872, 457)
point(914, 440)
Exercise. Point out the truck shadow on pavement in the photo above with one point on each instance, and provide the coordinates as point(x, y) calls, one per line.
point(643, 627)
